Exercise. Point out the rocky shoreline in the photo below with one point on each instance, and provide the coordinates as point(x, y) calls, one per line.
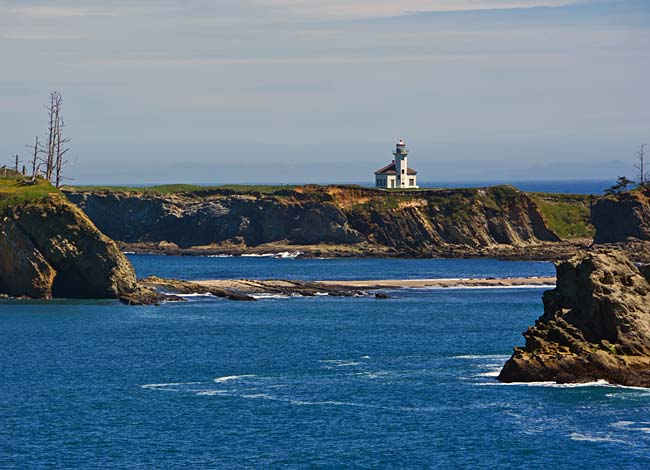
point(538, 252)
point(595, 326)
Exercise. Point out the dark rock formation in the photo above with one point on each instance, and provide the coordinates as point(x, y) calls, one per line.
point(49, 248)
point(621, 218)
point(596, 325)
point(418, 223)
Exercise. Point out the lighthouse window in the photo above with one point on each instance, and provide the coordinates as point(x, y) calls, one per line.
point(402, 171)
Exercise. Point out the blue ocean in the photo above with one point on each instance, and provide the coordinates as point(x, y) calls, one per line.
point(407, 382)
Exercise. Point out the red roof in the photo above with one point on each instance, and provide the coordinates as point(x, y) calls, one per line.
point(391, 170)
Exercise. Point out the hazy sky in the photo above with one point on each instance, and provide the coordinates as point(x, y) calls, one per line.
point(320, 90)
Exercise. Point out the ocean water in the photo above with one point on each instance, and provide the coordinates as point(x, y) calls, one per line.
point(570, 186)
point(285, 266)
point(319, 382)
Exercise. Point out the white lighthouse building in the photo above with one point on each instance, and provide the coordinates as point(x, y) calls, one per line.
point(397, 174)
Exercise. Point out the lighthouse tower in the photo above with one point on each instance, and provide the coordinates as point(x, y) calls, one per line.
point(401, 164)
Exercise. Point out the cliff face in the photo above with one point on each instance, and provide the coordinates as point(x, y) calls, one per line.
point(417, 223)
point(596, 325)
point(622, 218)
point(49, 248)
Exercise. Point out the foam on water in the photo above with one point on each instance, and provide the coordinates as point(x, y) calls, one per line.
point(597, 383)
point(482, 356)
point(591, 438)
point(229, 378)
point(272, 296)
point(279, 255)
point(502, 287)
point(170, 384)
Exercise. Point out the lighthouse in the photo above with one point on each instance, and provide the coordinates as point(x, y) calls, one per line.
point(397, 174)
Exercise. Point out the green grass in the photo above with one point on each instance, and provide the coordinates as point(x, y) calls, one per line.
point(185, 188)
point(14, 191)
point(567, 218)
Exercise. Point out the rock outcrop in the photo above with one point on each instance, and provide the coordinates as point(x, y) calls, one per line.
point(421, 223)
point(49, 248)
point(622, 218)
point(595, 326)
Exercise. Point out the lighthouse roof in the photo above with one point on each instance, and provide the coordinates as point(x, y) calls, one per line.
point(401, 143)
point(390, 169)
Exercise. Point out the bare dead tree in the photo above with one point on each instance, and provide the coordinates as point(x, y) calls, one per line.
point(16, 162)
point(36, 162)
point(56, 143)
point(60, 150)
point(641, 165)
point(54, 114)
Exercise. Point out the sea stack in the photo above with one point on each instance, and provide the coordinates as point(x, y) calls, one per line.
point(595, 326)
point(49, 248)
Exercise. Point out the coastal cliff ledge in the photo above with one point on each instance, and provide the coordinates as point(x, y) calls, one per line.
point(333, 220)
point(49, 248)
point(595, 326)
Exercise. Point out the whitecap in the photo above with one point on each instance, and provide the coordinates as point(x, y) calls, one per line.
point(591, 438)
point(483, 356)
point(279, 255)
point(457, 287)
point(597, 383)
point(628, 426)
point(492, 373)
point(170, 384)
point(211, 393)
point(228, 378)
point(272, 296)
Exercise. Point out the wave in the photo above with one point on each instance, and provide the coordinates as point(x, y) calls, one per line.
point(492, 373)
point(597, 383)
point(483, 356)
point(628, 426)
point(518, 286)
point(211, 393)
point(272, 296)
point(220, 256)
point(169, 384)
point(279, 255)
point(228, 378)
point(591, 438)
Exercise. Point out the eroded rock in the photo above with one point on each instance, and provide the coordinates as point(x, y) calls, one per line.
point(595, 326)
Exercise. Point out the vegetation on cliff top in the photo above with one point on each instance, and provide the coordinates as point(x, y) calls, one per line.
point(16, 190)
point(568, 215)
point(184, 188)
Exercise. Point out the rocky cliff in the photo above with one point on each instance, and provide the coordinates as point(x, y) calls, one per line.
point(49, 248)
point(622, 218)
point(368, 221)
point(596, 325)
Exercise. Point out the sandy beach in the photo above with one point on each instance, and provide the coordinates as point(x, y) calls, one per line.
point(246, 285)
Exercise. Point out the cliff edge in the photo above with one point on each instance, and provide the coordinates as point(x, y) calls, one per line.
point(49, 248)
point(595, 326)
point(622, 218)
point(342, 219)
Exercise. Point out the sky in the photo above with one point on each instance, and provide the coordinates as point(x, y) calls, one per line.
point(319, 91)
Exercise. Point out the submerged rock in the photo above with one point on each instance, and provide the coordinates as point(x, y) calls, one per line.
point(595, 326)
